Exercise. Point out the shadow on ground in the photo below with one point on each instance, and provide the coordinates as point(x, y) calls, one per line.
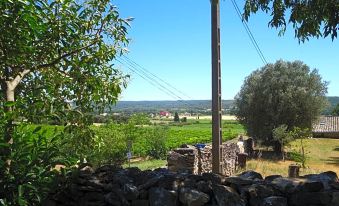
point(266, 155)
point(333, 160)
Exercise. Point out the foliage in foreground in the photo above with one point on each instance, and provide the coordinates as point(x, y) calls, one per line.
point(31, 173)
point(312, 18)
point(284, 93)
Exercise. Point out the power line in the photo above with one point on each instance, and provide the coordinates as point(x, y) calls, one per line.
point(155, 76)
point(249, 33)
point(143, 77)
point(148, 78)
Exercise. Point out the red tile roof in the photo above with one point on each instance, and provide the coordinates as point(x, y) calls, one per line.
point(326, 124)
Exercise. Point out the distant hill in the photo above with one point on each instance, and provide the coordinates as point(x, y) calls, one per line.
point(200, 106)
point(333, 102)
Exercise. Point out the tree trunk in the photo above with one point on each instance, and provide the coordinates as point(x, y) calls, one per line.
point(9, 126)
point(277, 148)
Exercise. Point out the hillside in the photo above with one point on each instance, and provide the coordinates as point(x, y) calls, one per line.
point(201, 106)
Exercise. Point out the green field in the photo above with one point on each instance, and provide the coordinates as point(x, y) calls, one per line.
point(322, 156)
point(201, 132)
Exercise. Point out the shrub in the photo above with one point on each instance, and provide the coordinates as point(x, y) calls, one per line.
point(156, 142)
point(31, 172)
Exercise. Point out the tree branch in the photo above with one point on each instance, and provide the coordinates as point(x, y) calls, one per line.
point(13, 83)
point(57, 60)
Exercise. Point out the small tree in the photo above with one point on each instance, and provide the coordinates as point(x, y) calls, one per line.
point(176, 117)
point(283, 136)
point(335, 111)
point(299, 155)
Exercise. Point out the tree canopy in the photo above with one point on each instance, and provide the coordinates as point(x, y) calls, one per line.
point(283, 93)
point(53, 52)
point(335, 110)
point(312, 18)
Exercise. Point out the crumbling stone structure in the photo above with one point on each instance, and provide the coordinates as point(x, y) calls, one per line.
point(194, 160)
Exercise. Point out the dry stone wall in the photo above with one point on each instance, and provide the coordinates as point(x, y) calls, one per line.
point(199, 160)
point(110, 186)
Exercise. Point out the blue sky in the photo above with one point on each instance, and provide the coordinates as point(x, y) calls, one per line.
point(171, 38)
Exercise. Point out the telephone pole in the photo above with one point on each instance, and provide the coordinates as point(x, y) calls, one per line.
point(216, 87)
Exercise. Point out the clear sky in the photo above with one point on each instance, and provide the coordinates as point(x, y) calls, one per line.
point(171, 39)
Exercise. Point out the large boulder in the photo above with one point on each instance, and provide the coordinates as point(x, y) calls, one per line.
point(252, 175)
point(227, 196)
point(159, 196)
point(274, 201)
point(310, 198)
point(326, 178)
point(191, 197)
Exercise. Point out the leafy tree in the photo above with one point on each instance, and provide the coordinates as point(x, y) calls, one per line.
point(56, 62)
point(139, 119)
point(312, 18)
point(335, 111)
point(53, 52)
point(284, 93)
point(176, 117)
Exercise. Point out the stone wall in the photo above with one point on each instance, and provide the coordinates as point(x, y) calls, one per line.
point(107, 186)
point(199, 160)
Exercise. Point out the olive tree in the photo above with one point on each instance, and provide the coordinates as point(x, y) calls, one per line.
point(283, 93)
point(312, 18)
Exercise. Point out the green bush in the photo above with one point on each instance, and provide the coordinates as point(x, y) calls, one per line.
point(156, 142)
point(31, 173)
point(109, 145)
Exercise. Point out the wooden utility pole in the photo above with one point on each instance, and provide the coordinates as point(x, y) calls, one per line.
point(216, 88)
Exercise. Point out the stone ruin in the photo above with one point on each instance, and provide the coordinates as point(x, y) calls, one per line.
point(195, 160)
point(198, 160)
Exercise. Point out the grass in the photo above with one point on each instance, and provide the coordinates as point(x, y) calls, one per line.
point(322, 155)
point(147, 164)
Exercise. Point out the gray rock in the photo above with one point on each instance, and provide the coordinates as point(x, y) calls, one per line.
point(169, 182)
point(335, 185)
point(140, 203)
point(150, 183)
point(86, 170)
point(214, 178)
point(205, 187)
point(335, 199)
point(227, 196)
point(270, 178)
point(310, 198)
point(191, 197)
point(92, 198)
point(258, 192)
point(130, 192)
point(326, 178)
point(159, 196)
point(311, 186)
point(239, 181)
point(274, 201)
point(252, 175)
point(112, 199)
point(286, 185)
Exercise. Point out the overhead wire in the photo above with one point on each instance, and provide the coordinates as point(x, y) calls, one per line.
point(150, 80)
point(157, 77)
point(143, 77)
point(249, 33)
